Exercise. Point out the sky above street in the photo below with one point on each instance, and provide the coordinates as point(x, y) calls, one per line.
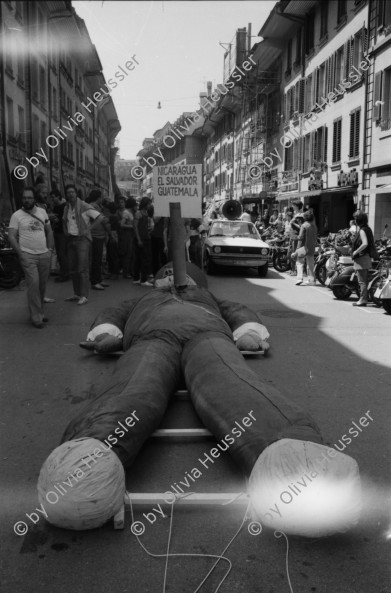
point(177, 46)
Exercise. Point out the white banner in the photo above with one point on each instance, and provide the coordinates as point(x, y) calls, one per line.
point(177, 183)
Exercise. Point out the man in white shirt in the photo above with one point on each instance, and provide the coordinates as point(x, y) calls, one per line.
point(30, 235)
point(77, 219)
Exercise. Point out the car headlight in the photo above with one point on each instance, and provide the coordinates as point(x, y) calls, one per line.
point(264, 251)
point(217, 249)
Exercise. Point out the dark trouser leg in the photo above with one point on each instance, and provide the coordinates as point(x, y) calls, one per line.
point(96, 260)
point(83, 265)
point(145, 260)
point(362, 276)
point(224, 390)
point(60, 242)
point(143, 381)
point(112, 258)
point(73, 263)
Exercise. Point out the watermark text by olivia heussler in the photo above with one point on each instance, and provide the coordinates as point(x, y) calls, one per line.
point(21, 527)
point(307, 121)
point(98, 100)
point(170, 140)
point(170, 496)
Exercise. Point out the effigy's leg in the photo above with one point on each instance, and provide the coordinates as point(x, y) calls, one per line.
point(82, 482)
point(275, 442)
point(224, 390)
point(142, 383)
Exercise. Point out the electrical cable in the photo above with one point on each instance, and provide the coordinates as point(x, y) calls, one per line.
point(167, 555)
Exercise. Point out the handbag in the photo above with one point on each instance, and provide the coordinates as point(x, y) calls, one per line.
point(300, 252)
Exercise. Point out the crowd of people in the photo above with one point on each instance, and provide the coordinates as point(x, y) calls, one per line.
point(96, 240)
point(91, 241)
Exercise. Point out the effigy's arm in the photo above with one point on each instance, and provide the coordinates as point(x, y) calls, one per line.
point(248, 331)
point(106, 331)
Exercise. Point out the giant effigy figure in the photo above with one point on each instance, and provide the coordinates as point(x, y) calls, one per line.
point(168, 333)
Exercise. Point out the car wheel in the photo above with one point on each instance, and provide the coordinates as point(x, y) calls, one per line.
point(262, 270)
point(209, 266)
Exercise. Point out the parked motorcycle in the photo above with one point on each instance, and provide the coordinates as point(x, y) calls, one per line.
point(10, 270)
point(377, 283)
point(385, 294)
point(280, 247)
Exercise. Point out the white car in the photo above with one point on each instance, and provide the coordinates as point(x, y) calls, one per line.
point(235, 243)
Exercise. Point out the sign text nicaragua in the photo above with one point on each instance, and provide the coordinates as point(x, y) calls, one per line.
point(178, 183)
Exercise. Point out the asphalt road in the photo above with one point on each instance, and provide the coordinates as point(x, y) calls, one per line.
point(326, 355)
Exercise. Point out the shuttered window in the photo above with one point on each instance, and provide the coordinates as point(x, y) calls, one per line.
point(309, 32)
point(288, 164)
point(299, 96)
point(324, 13)
point(308, 156)
point(354, 139)
point(298, 45)
point(308, 94)
point(319, 144)
point(341, 10)
point(337, 135)
point(383, 13)
point(378, 95)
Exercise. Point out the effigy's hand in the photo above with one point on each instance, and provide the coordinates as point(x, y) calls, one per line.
point(103, 343)
point(252, 342)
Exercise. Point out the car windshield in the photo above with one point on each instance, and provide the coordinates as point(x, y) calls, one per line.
point(234, 228)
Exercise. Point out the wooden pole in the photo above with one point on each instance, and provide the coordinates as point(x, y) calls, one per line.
point(178, 245)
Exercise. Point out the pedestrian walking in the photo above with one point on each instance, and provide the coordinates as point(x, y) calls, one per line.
point(77, 220)
point(362, 245)
point(306, 249)
point(30, 235)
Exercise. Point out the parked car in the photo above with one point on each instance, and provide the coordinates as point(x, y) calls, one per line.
point(235, 243)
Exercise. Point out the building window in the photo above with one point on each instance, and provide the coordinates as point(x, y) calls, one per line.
point(337, 135)
point(42, 86)
point(383, 99)
point(289, 57)
point(20, 70)
point(298, 46)
point(35, 138)
point(383, 13)
point(21, 121)
point(308, 102)
point(288, 161)
point(324, 14)
point(339, 66)
point(307, 151)
point(309, 33)
point(354, 139)
point(43, 133)
point(357, 47)
point(341, 11)
point(319, 146)
point(10, 117)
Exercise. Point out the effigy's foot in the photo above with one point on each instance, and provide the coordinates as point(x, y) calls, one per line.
point(81, 485)
point(304, 488)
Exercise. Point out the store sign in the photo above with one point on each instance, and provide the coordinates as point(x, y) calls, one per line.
point(177, 184)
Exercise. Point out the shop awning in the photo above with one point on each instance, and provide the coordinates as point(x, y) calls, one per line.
point(298, 194)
